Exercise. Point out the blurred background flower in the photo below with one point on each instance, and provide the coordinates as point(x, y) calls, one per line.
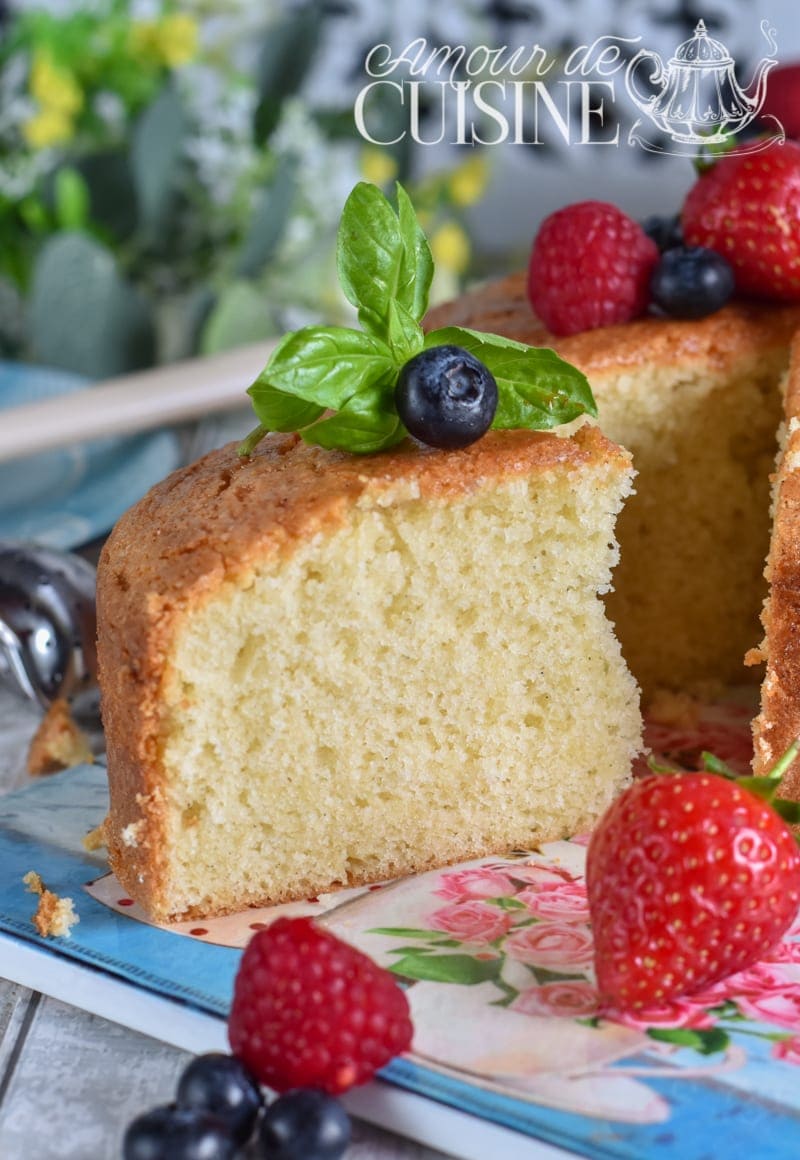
point(172, 174)
point(171, 180)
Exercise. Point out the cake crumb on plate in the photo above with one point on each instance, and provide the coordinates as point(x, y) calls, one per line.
point(54, 916)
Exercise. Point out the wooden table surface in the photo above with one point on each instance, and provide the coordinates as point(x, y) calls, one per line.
point(70, 1082)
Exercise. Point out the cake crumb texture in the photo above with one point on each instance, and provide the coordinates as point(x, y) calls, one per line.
point(58, 743)
point(778, 723)
point(697, 404)
point(54, 916)
point(324, 670)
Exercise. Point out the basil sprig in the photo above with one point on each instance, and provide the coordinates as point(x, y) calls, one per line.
point(335, 385)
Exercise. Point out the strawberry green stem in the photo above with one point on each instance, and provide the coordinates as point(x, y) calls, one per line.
point(783, 763)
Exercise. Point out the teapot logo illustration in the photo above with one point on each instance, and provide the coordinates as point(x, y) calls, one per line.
point(695, 99)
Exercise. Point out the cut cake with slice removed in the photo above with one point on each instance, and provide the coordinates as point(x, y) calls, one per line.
point(697, 403)
point(778, 723)
point(319, 669)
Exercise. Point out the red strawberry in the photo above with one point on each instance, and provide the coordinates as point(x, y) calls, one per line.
point(690, 878)
point(590, 266)
point(783, 98)
point(747, 208)
point(312, 1011)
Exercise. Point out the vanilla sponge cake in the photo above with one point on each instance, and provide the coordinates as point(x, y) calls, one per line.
point(778, 723)
point(323, 669)
point(698, 405)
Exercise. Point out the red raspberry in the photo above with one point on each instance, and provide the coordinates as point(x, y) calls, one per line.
point(312, 1011)
point(590, 266)
point(782, 99)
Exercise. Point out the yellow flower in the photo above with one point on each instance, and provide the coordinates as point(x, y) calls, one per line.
point(55, 88)
point(171, 41)
point(378, 166)
point(450, 247)
point(144, 39)
point(47, 127)
point(468, 182)
point(177, 39)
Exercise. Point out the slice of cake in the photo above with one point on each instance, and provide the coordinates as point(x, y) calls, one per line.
point(324, 669)
point(697, 403)
point(778, 724)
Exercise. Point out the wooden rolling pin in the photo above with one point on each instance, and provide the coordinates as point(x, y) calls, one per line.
point(138, 402)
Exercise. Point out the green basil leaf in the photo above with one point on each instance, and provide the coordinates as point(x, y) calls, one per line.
point(406, 337)
point(369, 256)
point(278, 411)
point(418, 261)
point(367, 422)
point(537, 389)
point(382, 257)
point(327, 365)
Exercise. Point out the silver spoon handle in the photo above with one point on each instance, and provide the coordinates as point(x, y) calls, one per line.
point(136, 402)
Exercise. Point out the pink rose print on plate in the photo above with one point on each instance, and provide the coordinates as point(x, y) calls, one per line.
point(474, 921)
point(575, 1000)
point(556, 946)
point(783, 952)
point(539, 875)
point(485, 882)
point(755, 980)
point(777, 1006)
point(788, 1050)
point(678, 1013)
point(559, 902)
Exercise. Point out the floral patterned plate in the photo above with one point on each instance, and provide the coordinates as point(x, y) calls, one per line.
point(497, 958)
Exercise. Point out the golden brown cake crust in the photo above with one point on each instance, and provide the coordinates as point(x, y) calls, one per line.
point(719, 340)
point(778, 724)
point(218, 519)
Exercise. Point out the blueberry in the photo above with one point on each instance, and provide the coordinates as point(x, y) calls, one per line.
point(172, 1133)
point(665, 231)
point(222, 1085)
point(446, 397)
point(304, 1125)
point(691, 281)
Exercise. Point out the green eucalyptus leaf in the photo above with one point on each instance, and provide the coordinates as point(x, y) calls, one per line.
point(239, 316)
point(11, 318)
point(83, 315)
point(112, 196)
point(277, 411)
point(364, 424)
point(286, 54)
point(328, 364)
point(156, 150)
point(536, 388)
point(269, 220)
point(194, 313)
